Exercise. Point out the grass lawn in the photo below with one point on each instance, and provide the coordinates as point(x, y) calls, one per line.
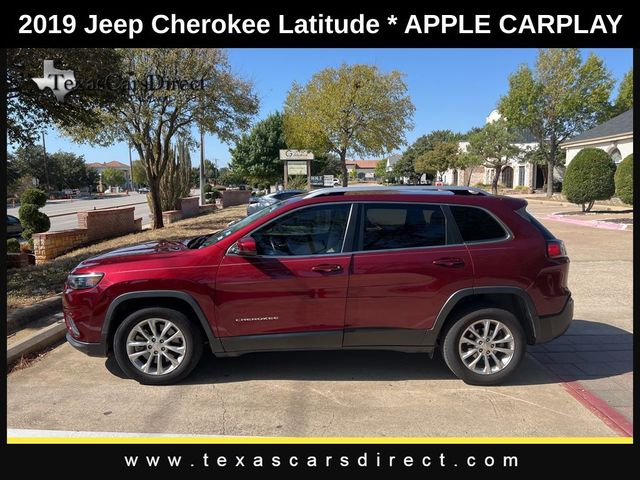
point(26, 286)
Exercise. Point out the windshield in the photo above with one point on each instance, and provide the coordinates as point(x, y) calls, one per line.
point(216, 237)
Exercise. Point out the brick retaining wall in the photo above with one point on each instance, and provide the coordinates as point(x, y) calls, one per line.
point(235, 197)
point(93, 225)
point(190, 206)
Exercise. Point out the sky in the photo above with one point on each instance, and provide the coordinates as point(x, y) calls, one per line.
point(451, 89)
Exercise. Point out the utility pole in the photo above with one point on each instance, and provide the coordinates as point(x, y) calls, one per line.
point(130, 170)
point(44, 156)
point(202, 167)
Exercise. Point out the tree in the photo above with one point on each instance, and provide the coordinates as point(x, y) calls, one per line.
point(560, 98)
point(113, 177)
point(228, 177)
point(210, 170)
point(139, 173)
point(589, 177)
point(326, 164)
point(176, 183)
point(494, 144)
point(351, 110)
point(64, 169)
point(216, 101)
point(406, 166)
point(381, 171)
point(624, 180)
point(256, 155)
point(624, 100)
point(31, 218)
point(29, 108)
point(468, 162)
point(442, 157)
point(69, 170)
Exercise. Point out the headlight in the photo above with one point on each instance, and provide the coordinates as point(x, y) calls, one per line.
point(84, 280)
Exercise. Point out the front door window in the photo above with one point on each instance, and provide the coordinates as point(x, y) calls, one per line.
point(310, 231)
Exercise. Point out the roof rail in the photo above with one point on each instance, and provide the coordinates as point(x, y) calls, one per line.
point(401, 189)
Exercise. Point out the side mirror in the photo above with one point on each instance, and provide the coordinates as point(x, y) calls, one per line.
point(246, 246)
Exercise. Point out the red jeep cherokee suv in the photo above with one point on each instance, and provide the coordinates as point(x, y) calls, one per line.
point(412, 270)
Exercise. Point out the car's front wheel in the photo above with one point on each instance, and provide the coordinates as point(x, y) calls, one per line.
point(485, 346)
point(157, 346)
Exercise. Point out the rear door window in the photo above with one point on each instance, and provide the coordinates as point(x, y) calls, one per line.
point(476, 224)
point(397, 225)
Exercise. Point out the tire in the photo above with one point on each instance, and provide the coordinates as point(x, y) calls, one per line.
point(137, 349)
point(508, 346)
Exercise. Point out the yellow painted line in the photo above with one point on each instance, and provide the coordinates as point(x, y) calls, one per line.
point(321, 440)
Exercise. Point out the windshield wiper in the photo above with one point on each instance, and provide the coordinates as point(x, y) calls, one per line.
point(197, 241)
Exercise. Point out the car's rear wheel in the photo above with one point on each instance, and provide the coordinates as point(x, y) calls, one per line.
point(485, 346)
point(157, 346)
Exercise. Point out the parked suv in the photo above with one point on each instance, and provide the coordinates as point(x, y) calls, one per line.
point(413, 270)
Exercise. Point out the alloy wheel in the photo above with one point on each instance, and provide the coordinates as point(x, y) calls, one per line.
point(156, 346)
point(486, 346)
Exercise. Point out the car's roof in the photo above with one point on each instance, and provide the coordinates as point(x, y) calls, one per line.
point(402, 189)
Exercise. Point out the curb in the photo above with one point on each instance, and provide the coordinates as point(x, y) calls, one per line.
point(23, 316)
point(589, 223)
point(42, 339)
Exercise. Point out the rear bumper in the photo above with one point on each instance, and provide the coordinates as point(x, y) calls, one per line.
point(552, 326)
point(91, 349)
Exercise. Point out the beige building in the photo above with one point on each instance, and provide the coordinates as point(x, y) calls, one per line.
point(101, 167)
point(614, 137)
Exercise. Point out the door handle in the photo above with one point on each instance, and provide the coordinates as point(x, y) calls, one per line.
point(449, 262)
point(326, 268)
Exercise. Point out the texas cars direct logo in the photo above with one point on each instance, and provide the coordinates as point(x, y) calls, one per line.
point(60, 82)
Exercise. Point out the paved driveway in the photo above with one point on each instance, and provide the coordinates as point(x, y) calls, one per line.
point(353, 393)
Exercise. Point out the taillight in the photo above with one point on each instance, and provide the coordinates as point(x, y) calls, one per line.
point(555, 248)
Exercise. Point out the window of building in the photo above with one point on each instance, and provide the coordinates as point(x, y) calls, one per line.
point(616, 156)
point(521, 174)
point(477, 225)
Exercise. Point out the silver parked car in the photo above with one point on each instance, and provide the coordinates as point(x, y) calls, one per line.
point(258, 203)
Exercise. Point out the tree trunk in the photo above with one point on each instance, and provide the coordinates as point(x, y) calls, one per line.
point(345, 173)
point(494, 181)
point(156, 204)
point(550, 164)
point(467, 176)
point(549, 179)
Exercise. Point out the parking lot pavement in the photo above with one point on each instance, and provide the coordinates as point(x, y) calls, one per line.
point(596, 354)
point(369, 393)
point(294, 394)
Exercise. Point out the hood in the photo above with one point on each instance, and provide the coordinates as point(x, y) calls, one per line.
point(163, 248)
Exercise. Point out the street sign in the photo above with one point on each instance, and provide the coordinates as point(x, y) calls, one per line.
point(296, 155)
point(317, 180)
point(328, 180)
point(297, 167)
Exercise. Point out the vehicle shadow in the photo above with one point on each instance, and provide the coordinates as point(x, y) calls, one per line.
point(596, 342)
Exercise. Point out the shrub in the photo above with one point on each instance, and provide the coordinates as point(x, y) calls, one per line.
point(208, 188)
point(624, 180)
point(13, 245)
point(589, 177)
point(521, 188)
point(33, 196)
point(33, 220)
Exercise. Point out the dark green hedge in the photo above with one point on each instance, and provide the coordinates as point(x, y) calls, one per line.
point(33, 196)
point(589, 177)
point(624, 180)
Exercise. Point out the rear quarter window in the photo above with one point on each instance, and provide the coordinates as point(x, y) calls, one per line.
point(477, 225)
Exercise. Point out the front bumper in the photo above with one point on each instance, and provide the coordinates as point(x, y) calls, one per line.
point(91, 349)
point(552, 326)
